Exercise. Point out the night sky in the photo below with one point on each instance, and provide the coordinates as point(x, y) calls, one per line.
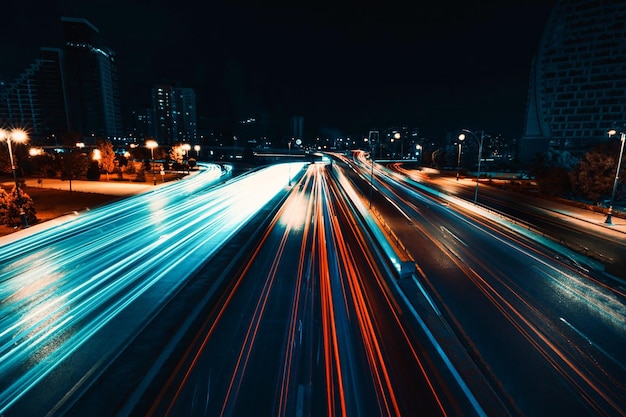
point(354, 66)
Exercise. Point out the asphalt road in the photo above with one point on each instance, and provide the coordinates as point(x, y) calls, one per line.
point(544, 331)
point(505, 298)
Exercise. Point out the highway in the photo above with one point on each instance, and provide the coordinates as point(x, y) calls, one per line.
point(598, 243)
point(306, 327)
point(335, 288)
point(75, 294)
point(547, 333)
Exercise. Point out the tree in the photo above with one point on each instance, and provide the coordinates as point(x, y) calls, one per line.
point(20, 154)
point(554, 182)
point(74, 164)
point(5, 162)
point(121, 163)
point(438, 158)
point(177, 153)
point(44, 165)
point(131, 168)
point(550, 170)
point(12, 216)
point(140, 175)
point(93, 172)
point(4, 205)
point(594, 176)
point(107, 156)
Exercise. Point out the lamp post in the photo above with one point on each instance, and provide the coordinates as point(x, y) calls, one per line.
point(289, 159)
point(372, 135)
point(480, 155)
point(186, 147)
point(17, 135)
point(609, 214)
point(458, 158)
point(398, 136)
point(152, 144)
point(97, 156)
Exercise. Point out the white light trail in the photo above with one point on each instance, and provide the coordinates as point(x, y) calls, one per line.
point(60, 286)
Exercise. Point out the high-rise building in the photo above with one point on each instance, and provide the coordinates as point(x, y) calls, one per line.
point(35, 101)
point(52, 97)
point(90, 80)
point(141, 125)
point(577, 88)
point(297, 127)
point(175, 114)
point(72, 88)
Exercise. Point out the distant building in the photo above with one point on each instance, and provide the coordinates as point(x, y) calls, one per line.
point(297, 127)
point(577, 89)
point(142, 125)
point(91, 80)
point(175, 115)
point(36, 100)
point(73, 88)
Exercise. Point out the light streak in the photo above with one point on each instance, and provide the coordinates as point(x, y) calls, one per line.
point(87, 291)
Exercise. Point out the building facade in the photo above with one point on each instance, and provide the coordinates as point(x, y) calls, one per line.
point(91, 81)
point(175, 115)
point(72, 88)
point(141, 125)
point(577, 88)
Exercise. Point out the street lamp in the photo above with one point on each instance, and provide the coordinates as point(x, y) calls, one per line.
point(480, 154)
point(398, 136)
point(289, 163)
point(619, 164)
point(458, 158)
point(186, 147)
point(17, 135)
point(152, 144)
point(373, 136)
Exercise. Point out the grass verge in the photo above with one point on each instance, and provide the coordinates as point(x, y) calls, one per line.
point(50, 203)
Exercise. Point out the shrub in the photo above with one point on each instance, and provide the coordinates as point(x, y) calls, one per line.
point(12, 215)
point(4, 205)
point(140, 176)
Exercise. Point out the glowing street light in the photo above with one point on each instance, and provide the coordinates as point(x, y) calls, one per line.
point(17, 135)
point(458, 158)
point(398, 136)
point(480, 154)
point(373, 136)
point(186, 147)
point(35, 151)
point(152, 144)
point(289, 161)
point(619, 164)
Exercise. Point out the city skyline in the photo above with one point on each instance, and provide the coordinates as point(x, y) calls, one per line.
point(436, 68)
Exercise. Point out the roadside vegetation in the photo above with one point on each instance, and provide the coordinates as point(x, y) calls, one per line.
point(50, 204)
point(586, 178)
point(74, 161)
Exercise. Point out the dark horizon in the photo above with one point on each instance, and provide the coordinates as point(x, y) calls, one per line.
point(436, 67)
